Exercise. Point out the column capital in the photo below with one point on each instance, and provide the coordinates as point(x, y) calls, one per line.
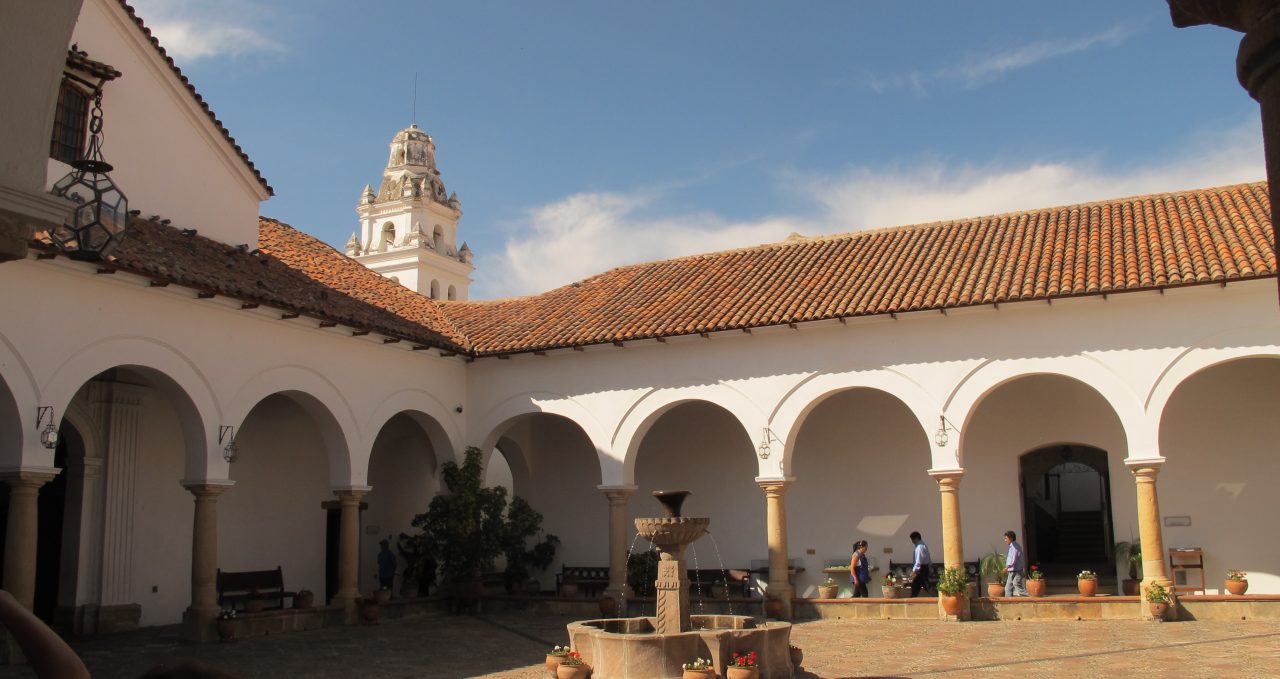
point(207, 488)
point(947, 477)
point(776, 485)
point(618, 493)
point(351, 494)
point(28, 477)
point(1145, 468)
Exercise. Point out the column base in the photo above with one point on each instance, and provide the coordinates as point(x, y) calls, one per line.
point(350, 603)
point(784, 593)
point(198, 626)
point(965, 614)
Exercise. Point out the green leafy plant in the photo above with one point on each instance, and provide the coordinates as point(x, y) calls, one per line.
point(1130, 553)
point(1036, 572)
point(992, 567)
point(466, 528)
point(419, 566)
point(1234, 574)
point(953, 582)
point(559, 651)
point(1087, 575)
point(572, 659)
point(1156, 593)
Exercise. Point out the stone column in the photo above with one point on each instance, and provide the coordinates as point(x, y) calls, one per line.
point(349, 546)
point(1257, 64)
point(618, 587)
point(1149, 529)
point(952, 536)
point(21, 531)
point(780, 586)
point(198, 619)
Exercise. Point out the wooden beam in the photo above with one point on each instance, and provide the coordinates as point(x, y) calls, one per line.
point(289, 316)
point(448, 354)
point(328, 324)
point(704, 335)
point(249, 305)
point(359, 333)
point(503, 357)
point(159, 284)
point(746, 331)
point(390, 340)
point(419, 347)
point(578, 348)
point(47, 255)
point(793, 326)
point(618, 343)
point(661, 340)
point(539, 353)
point(106, 269)
point(205, 295)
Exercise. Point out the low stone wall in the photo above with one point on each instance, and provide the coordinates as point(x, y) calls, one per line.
point(287, 620)
point(1228, 607)
point(1057, 608)
point(867, 609)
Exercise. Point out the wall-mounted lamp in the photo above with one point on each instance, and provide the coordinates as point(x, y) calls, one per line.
point(101, 215)
point(940, 437)
point(48, 435)
point(458, 410)
point(766, 440)
point(227, 439)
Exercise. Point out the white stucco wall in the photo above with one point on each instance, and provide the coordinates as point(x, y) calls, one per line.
point(169, 158)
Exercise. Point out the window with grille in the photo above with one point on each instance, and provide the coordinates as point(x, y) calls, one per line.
point(69, 123)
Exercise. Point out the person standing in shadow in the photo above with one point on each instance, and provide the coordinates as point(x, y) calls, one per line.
point(919, 564)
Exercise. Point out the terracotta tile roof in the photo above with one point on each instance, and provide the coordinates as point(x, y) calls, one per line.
point(166, 254)
point(1144, 242)
point(199, 99)
point(80, 60)
point(322, 264)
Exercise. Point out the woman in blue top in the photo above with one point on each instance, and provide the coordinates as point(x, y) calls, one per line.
point(859, 573)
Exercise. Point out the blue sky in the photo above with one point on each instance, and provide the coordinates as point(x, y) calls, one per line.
point(585, 135)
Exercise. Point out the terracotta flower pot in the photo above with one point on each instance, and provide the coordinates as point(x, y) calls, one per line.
point(1132, 587)
point(304, 599)
point(772, 607)
point(608, 607)
point(797, 656)
point(1158, 610)
point(742, 673)
point(568, 590)
point(892, 592)
point(370, 611)
point(699, 674)
point(573, 671)
point(994, 590)
point(254, 605)
point(951, 604)
point(553, 662)
point(1036, 587)
point(828, 592)
point(226, 629)
point(1087, 587)
point(1237, 587)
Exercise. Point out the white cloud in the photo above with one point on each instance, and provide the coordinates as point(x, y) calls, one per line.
point(588, 233)
point(190, 31)
point(974, 70)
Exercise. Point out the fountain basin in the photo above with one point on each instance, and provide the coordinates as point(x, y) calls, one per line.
point(630, 648)
point(672, 531)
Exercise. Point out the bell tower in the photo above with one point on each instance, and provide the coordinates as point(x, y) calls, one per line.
point(409, 228)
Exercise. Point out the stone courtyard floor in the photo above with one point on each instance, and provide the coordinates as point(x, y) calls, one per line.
point(511, 646)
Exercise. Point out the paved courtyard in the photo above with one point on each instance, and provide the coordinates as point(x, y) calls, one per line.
point(511, 646)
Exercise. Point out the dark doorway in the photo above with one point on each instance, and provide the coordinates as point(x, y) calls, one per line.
point(1066, 509)
point(332, 538)
point(51, 507)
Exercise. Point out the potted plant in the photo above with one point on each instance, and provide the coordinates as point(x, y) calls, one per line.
point(1157, 599)
point(305, 598)
point(572, 667)
point(829, 589)
point(951, 589)
point(797, 656)
point(742, 666)
point(992, 568)
point(892, 586)
point(1237, 582)
point(1087, 583)
point(1035, 581)
point(382, 594)
point(773, 606)
point(226, 624)
point(700, 668)
point(369, 609)
point(1129, 560)
point(555, 657)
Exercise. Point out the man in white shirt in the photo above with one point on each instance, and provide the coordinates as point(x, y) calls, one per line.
point(919, 564)
point(1015, 566)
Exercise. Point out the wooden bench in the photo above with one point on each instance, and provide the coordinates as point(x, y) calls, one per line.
point(903, 570)
point(591, 580)
point(235, 587)
point(736, 580)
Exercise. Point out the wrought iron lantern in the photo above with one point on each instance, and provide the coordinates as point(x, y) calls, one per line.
point(227, 439)
point(101, 214)
point(940, 437)
point(48, 435)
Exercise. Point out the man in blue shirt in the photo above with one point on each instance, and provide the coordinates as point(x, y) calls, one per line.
point(1015, 565)
point(919, 564)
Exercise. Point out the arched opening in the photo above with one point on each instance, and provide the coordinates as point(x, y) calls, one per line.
point(277, 514)
point(497, 470)
point(701, 447)
point(1005, 475)
point(435, 289)
point(388, 236)
point(1217, 489)
point(1066, 507)
point(402, 472)
point(860, 464)
point(453, 292)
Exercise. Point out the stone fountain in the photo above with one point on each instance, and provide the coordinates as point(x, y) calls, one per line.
point(656, 647)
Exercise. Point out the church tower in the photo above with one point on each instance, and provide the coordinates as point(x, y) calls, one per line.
point(409, 228)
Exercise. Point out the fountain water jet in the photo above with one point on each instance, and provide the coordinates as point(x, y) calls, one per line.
point(655, 648)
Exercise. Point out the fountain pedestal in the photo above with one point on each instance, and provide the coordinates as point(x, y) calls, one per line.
point(671, 536)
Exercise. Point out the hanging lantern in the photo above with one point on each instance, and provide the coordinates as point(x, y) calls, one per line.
point(101, 213)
